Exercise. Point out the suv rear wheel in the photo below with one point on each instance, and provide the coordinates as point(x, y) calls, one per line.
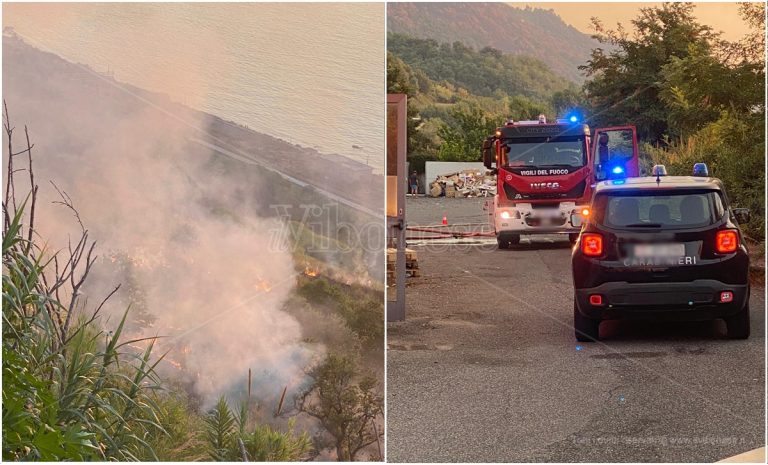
point(738, 324)
point(586, 329)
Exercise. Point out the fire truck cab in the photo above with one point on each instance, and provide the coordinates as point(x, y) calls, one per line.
point(546, 171)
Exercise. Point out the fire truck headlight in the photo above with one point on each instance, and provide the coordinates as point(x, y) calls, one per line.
point(509, 214)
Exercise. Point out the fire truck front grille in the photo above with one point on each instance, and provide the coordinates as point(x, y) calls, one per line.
point(575, 193)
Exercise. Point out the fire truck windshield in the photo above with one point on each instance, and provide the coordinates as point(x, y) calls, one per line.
point(544, 152)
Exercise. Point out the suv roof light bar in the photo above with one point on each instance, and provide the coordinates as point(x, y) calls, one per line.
point(700, 169)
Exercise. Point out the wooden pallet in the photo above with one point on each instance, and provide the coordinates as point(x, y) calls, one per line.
point(410, 255)
point(411, 264)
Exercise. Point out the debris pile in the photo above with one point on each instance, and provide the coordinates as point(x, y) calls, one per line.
point(466, 183)
point(411, 264)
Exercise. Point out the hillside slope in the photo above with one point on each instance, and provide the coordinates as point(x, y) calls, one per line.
point(118, 130)
point(484, 72)
point(535, 32)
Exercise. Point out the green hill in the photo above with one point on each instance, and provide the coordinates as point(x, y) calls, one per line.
point(455, 90)
point(532, 32)
point(486, 72)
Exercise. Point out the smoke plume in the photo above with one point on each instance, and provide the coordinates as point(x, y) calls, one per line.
point(194, 258)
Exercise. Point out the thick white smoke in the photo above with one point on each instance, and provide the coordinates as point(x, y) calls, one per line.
point(202, 267)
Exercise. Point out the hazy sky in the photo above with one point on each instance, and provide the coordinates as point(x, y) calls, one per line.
point(720, 16)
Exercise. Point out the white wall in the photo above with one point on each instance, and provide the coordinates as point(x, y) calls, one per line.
point(433, 169)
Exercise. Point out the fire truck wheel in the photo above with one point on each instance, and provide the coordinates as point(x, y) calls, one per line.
point(505, 240)
point(585, 329)
point(573, 237)
point(738, 324)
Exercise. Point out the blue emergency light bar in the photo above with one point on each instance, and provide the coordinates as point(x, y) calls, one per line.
point(572, 117)
point(659, 170)
point(617, 172)
point(700, 169)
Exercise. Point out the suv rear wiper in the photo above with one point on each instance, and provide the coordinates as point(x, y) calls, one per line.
point(643, 225)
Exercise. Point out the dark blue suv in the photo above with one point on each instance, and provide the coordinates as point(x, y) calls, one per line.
point(661, 247)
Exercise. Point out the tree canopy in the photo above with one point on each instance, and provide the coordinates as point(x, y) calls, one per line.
point(457, 95)
point(671, 75)
point(485, 72)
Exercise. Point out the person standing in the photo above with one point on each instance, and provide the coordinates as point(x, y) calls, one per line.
point(604, 156)
point(413, 181)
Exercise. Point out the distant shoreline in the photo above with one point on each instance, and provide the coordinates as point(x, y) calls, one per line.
point(342, 176)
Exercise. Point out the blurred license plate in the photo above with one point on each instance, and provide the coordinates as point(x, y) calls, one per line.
point(659, 250)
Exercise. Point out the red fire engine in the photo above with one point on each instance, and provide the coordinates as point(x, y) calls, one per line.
point(546, 171)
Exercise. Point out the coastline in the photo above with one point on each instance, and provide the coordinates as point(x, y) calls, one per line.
point(352, 182)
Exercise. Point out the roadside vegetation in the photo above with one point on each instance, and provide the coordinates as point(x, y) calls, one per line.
point(361, 310)
point(693, 96)
point(74, 388)
point(347, 404)
point(70, 389)
point(232, 438)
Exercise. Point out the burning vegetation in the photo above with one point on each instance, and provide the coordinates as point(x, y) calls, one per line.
point(311, 272)
point(312, 268)
point(209, 297)
point(291, 380)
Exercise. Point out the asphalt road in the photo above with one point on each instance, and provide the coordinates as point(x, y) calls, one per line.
point(486, 367)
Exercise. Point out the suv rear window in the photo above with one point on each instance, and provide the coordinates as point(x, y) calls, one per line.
point(658, 209)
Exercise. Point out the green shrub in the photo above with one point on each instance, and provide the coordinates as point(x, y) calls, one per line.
point(230, 437)
point(733, 147)
point(361, 308)
point(346, 404)
point(185, 439)
point(73, 395)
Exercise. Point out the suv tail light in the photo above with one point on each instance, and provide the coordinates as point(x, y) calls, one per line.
point(727, 240)
point(596, 300)
point(592, 244)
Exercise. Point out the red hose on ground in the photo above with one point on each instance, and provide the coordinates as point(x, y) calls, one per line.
point(446, 234)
